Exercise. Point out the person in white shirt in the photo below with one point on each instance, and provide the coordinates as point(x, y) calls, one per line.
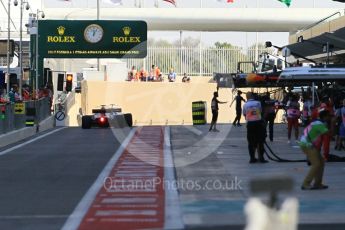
point(255, 128)
point(172, 75)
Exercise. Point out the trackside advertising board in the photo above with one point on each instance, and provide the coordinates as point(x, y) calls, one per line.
point(92, 39)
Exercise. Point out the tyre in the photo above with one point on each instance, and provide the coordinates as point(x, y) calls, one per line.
point(86, 122)
point(128, 119)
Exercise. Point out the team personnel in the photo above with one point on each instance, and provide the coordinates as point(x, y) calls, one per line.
point(255, 128)
point(215, 108)
point(307, 110)
point(340, 116)
point(293, 114)
point(238, 100)
point(311, 142)
point(269, 112)
point(327, 104)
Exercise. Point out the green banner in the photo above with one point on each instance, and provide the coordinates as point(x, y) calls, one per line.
point(92, 39)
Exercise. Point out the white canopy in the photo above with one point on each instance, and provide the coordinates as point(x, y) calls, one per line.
point(204, 19)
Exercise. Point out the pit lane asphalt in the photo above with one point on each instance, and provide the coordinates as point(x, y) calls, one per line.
point(41, 183)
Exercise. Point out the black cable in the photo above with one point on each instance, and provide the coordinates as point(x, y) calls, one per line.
point(269, 156)
point(275, 157)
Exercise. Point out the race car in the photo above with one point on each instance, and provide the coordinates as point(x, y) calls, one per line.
point(106, 117)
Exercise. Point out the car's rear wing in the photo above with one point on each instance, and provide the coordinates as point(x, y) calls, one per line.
point(110, 110)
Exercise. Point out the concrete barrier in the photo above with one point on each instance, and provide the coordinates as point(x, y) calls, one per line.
point(159, 103)
point(15, 121)
point(20, 134)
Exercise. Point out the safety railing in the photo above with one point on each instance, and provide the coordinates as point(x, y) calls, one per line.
point(12, 119)
point(321, 21)
point(196, 61)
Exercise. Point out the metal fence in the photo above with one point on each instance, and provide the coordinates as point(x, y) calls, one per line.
point(196, 61)
point(14, 121)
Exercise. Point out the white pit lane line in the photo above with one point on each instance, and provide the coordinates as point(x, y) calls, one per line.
point(30, 141)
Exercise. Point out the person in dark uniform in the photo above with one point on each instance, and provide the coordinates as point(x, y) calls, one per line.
point(269, 113)
point(214, 107)
point(238, 100)
point(255, 128)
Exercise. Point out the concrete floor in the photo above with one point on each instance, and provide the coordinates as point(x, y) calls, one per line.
point(222, 158)
point(42, 182)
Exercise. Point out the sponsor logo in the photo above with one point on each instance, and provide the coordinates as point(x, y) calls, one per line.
point(126, 38)
point(126, 30)
point(62, 38)
point(61, 30)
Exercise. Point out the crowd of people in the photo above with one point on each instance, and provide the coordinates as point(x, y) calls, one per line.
point(27, 94)
point(142, 75)
point(320, 113)
point(154, 75)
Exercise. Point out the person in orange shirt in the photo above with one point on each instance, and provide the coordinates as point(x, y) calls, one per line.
point(137, 76)
point(158, 74)
point(143, 75)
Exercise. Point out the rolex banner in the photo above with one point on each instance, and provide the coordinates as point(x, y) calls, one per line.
point(92, 39)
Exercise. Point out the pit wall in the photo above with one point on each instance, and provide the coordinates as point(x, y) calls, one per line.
point(157, 103)
point(26, 132)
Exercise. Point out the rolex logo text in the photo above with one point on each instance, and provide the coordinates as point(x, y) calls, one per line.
point(126, 38)
point(61, 38)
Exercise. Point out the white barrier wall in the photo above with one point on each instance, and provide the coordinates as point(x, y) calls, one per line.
point(156, 103)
